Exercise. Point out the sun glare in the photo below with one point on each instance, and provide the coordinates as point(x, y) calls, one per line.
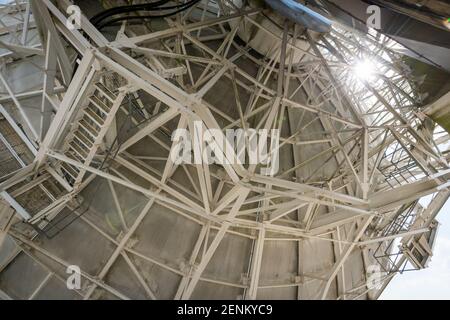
point(364, 69)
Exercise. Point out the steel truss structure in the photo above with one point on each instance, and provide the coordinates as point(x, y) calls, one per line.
point(356, 152)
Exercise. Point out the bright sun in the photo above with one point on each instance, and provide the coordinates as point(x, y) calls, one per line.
point(364, 69)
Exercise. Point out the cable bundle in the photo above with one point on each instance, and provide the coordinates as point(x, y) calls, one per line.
point(106, 18)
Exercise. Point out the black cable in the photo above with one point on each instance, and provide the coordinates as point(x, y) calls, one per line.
point(95, 20)
point(181, 8)
point(123, 9)
point(156, 6)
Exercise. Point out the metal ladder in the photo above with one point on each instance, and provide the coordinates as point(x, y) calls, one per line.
point(82, 144)
point(89, 132)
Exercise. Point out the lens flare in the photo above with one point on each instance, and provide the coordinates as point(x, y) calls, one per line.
point(364, 69)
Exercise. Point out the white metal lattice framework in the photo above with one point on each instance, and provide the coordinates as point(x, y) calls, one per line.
point(361, 152)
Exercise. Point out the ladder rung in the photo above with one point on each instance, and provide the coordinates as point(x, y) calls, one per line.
point(74, 147)
point(75, 170)
point(94, 117)
point(108, 103)
point(99, 105)
point(81, 142)
point(105, 91)
point(101, 117)
point(76, 155)
point(81, 146)
point(97, 112)
point(73, 155)
point(81, 136)
point(92, 124)
point(68, 171)
point(88, 128)
point(70, 180)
